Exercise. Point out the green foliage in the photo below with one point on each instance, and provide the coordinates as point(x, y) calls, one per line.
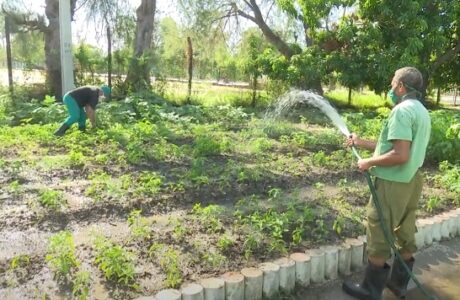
point(81, 285)
point(115, 262)
point(225, 242)
point(61, 255)
point(449, 177)
point(444, 140)
point(148, 184)
point(19, 261)
point(209, 216)
point(168, 259)
point(139, 225)
point(52, 199)
point(433, 203)
point(206, 146)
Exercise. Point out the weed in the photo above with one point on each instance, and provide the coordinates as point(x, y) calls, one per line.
point(15, 188)
point(433, 203)
point(225, 242)
point(338, 225)
point(213, 260)
point(52, 199)
point(61, 255)
point(19, 261)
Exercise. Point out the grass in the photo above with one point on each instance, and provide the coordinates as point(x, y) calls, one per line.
point(207, 94)
point(365, 99)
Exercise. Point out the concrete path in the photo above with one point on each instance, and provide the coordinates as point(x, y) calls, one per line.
point(436, 267)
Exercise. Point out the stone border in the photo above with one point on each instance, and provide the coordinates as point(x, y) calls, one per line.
point(299, 269)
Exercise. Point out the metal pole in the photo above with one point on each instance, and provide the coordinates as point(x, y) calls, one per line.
point(65, 34)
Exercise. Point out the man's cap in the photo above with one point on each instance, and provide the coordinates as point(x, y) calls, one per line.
point(106, 90)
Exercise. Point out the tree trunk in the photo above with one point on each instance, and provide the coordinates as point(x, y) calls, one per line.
point(52, 48)
point(9, 59)
point(438, 97)
point(109, 57)
point(455, 96)
point(349, 96)
point(190, 67)
point(254, 91)
point(139, 70)
point(271, 36)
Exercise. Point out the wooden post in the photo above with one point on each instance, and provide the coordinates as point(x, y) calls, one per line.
point(109, 58)
point(234, 285)
point(9, 59)
point(253, 283)
point(190, 67)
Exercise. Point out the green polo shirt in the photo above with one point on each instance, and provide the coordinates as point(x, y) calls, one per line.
point(409, 121)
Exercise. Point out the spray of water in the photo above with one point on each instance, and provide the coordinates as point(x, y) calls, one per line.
point(288, 100)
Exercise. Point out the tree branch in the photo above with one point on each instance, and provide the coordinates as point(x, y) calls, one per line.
point(446, 57)
point(30, 24)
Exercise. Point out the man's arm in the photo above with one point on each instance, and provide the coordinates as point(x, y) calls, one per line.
point(354, 140)
point(397, 156)
point(91, 112)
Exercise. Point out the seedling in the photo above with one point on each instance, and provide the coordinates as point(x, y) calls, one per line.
point(115, 262)
point(61, 255)
point(52, 199)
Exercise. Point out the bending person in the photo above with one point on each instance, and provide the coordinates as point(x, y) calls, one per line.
point(81, 102)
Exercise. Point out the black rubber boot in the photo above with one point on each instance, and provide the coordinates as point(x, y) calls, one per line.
point(373, 284)
point(399, 278)
point(61, 131)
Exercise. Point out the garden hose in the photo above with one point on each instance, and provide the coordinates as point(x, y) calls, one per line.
point(386, 233)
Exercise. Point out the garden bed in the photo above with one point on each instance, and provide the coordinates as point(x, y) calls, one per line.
point(163, 195)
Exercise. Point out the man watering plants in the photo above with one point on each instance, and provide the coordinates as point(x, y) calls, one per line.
point(398, 155)
point(81, 102)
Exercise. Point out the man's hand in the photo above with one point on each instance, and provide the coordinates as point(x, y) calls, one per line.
point(352, 140)
point(364, 164)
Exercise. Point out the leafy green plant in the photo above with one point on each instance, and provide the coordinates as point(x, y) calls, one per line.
point(148, 183)
point(76, 158)
point(115, 262)
point(81, 285)
point(15, 187)
point(19, 261)
point(433, 203)
point(139, 225)
point(224, 243)
point(168, 259)
point(206, 146)
point(209, 216)
point(61, 255)
point(52, 199)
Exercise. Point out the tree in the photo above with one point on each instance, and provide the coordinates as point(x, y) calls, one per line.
point(309, 14)
point(170, 49)
point(251, 46)
point(49, 26)
point(421, 33)
point(139, 70)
